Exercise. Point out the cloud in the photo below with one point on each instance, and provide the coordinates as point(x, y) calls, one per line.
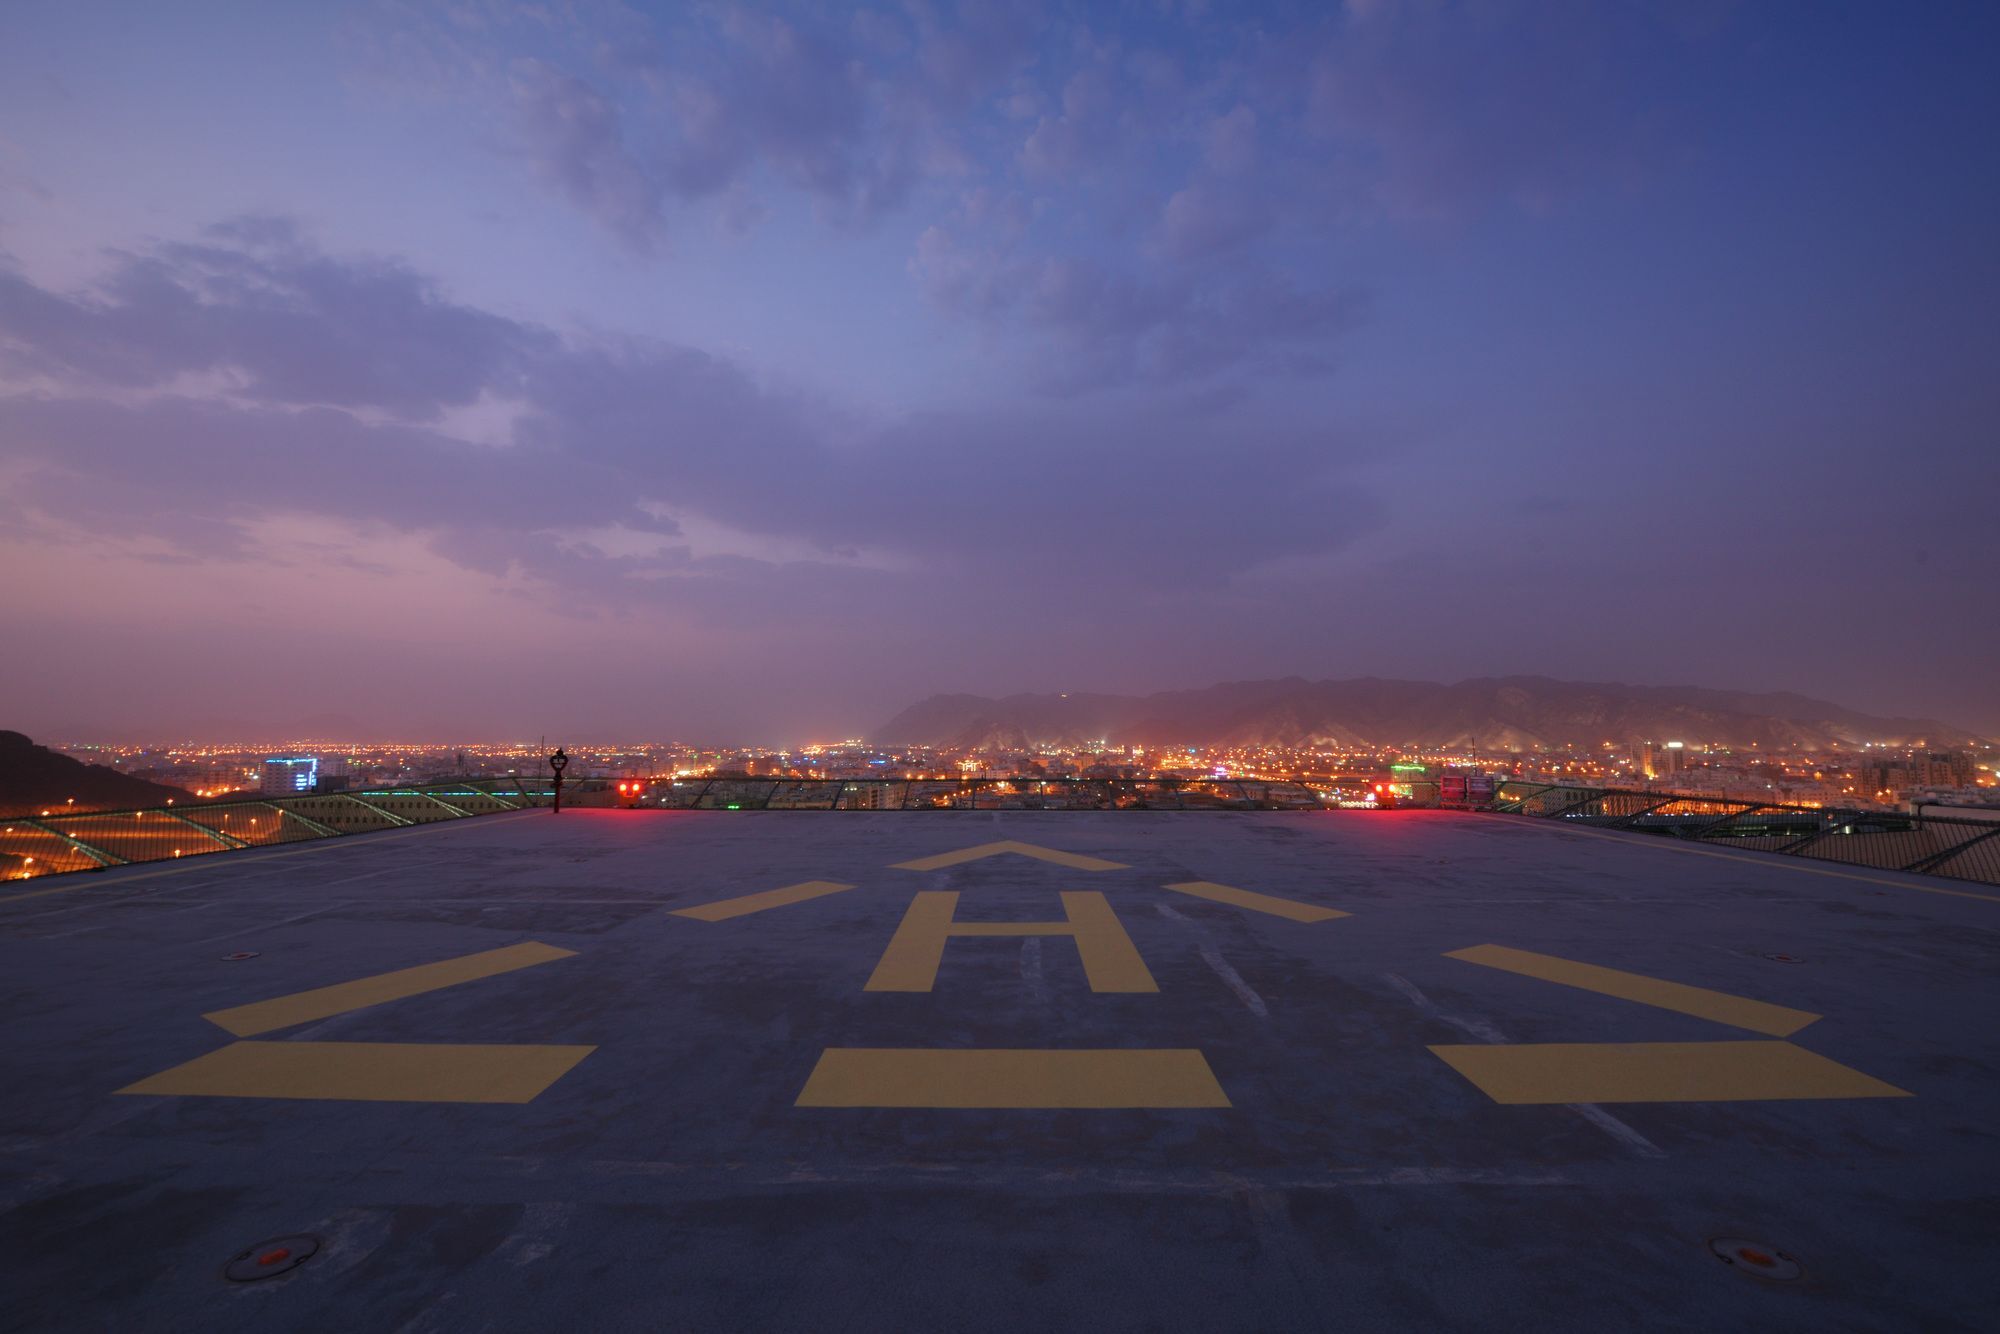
point(1231, 147)
point(201, 389)
point(780, 94)
point(1205, 220)
point(626, 116)
point(1463, 106)
point(968, 51)
point(1086, 132)
point(1306, 116)
point(575, 137)
point(288, 324)
point(1092, 326)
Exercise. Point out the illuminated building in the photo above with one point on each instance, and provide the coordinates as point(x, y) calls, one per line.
point(333, 775)
point(286, 775)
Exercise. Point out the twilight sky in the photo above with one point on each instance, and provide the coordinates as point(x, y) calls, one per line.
point(735, 373)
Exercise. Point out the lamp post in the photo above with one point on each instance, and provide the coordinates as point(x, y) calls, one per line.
point(558, 762)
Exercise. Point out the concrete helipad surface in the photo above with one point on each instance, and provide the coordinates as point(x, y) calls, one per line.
point(1265, 1071)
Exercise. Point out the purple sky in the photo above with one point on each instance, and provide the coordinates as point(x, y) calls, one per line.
point(733, 373)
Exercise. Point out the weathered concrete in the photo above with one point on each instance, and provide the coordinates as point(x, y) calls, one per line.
point(669, 1181)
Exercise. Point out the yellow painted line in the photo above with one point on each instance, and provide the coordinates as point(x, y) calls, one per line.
point(1291, 909)
point(914, 954)
point(1076, 861)
point(1742, 855)
point(1011, 1078)
point(1723, 1008)
point(368, 1072)
point(183, 865)
point(724, 909)
point(1561, 1072)
point(910, 962)
point(325, 1002)
point(1110, 960)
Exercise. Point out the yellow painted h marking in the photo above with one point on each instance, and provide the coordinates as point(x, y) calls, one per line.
point(1110, 960)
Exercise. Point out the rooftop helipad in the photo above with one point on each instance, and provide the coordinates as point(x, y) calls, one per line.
point(1263, 1070)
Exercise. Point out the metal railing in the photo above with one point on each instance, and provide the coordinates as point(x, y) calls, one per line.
point(50, 844)
point(1960, 847)
point(959, 794)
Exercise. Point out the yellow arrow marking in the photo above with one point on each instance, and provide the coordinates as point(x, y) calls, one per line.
point(325, 1002)
point(1720, 1006)
point(1566, 1072)
point(1011, 1077)
point(368, 1072)
point(723, 909)
point(1291, 909)
point(1076, 861)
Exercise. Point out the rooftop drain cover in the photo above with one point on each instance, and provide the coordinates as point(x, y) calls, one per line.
point(268, 1259)
point(1754, 1257)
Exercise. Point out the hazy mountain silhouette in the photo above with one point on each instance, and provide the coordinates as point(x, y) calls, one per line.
point(333, 727)
point(1502, 713)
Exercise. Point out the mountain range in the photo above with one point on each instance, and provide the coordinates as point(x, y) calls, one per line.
point(337, 727)
point(1499, 714)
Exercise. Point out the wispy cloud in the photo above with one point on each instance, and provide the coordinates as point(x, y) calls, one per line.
point(201, 387)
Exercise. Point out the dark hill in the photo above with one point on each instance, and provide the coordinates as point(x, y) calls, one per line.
point(35, 778)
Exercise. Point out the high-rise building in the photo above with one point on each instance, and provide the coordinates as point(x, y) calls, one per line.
point(1653, 760)
point(288, 775)
point(1937, 768)
point(1944, 768)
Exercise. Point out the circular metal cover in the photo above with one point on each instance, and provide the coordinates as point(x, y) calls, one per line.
point(1754, 1257)
point(268, 1259)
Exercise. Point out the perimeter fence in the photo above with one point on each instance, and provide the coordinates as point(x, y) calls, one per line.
point(978, 794)
point(1959, 846)
point(53, 842)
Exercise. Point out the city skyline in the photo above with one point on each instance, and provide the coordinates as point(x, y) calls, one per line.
point(751, 373)
point(1711, 717)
